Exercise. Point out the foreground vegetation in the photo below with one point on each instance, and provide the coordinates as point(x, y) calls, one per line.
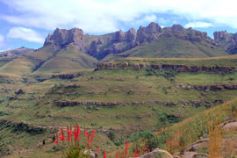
point(152, 107)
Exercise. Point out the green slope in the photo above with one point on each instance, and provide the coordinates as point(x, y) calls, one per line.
point(173, 47)
point(48, 60)
point(67, 60)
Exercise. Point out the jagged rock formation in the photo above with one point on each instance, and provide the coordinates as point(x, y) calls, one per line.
point(100, 46)
point(226, 40)
point(63, 37)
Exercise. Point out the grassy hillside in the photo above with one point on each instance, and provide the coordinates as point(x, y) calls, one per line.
point(121, 101)
point(48, 60)
point(67, 60)
point(172, 47)
point(198, 127)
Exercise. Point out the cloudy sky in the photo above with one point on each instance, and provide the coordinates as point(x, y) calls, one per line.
point(28, 22)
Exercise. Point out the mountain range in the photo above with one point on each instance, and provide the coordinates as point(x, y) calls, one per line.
point(73, 49)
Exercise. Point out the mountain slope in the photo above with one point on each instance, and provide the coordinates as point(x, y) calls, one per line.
point(172, 47)
point(190, 130)
point(67, 60)
point(149, 41)
point(49, 59)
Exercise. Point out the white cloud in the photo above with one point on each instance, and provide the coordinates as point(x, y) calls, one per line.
point(105, 15)
point(25, 34)
point(199, 24)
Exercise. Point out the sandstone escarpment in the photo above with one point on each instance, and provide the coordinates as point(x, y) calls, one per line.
point(100, 46)
point(216, 87)
point(166, 67)
point(193, 103)
point(64, 103)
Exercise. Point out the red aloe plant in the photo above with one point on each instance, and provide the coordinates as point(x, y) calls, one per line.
point(126, 148)
point(86, 134)
point(104, 155)
point(136, 153)
point(89, 137)
point(76, 133)
point(117, 155)
point(69, 134)
point(61, 136)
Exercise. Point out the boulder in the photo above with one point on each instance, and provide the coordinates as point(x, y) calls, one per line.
point(19, 92)
point(157, 153)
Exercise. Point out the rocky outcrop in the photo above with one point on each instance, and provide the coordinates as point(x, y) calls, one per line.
point(193, 103)
point(149, 33)
point(100, 46)
point(157, 153)
point(64, 103)
point(66, 76)
point(216, 87)
point(226, 40)
point(168, 67)
point(63, 37)
point(19, 92)
point(22, 127)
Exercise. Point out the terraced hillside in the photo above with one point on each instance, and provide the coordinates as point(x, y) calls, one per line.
point(122, 97)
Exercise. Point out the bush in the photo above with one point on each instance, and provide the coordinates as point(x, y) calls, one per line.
point(75, 152)
point(169, 75)
point(147, 138)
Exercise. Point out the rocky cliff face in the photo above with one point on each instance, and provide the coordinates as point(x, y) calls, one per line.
point(100, 46)
point(62, 37)
point(226, 40)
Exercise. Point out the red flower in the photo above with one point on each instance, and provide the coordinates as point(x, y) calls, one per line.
point(104, 156)
point(77, 132)
point(91, 137)
point(69, 134)
point(136, 153)
point(86, 134)
point(117, 155)
point(61, 136)
point(126, 147)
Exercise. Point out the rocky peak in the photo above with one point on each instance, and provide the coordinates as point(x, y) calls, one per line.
point(153, 28)
point(177, 28)
point(189, 34)
point(131, 35)
point(222, 36)
point(226, 40)
point(149, 33)
point(62, 37)
point(119, 36)
point(100, 46)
